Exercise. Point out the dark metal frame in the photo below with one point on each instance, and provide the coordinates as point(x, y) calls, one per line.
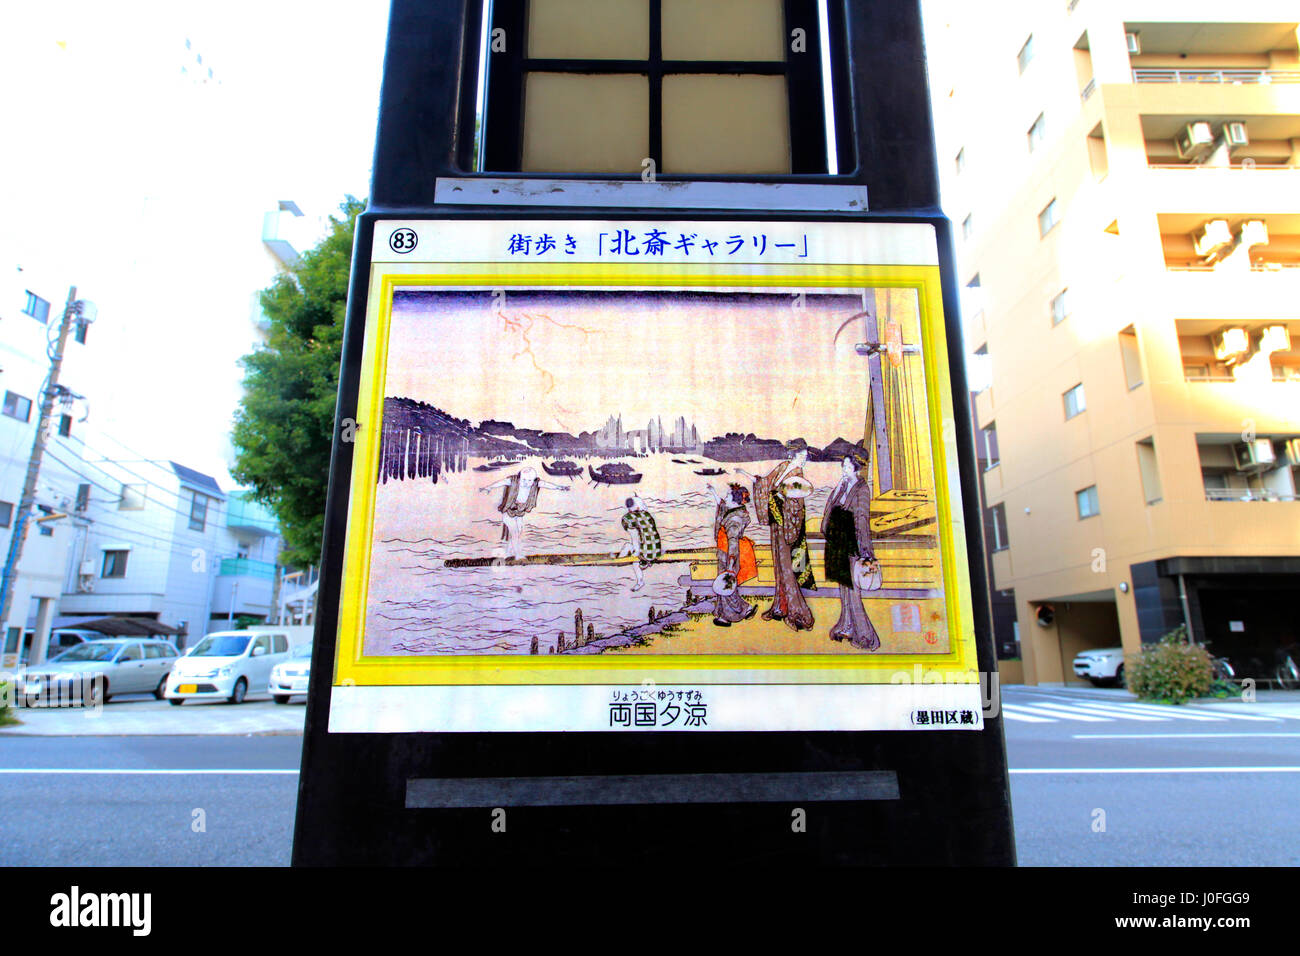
point(505, 101)
point(954, 797)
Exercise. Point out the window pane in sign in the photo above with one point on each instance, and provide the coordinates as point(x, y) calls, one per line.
point(725, 124)
point(585, 123)
point(588, 29)
point(724, 30)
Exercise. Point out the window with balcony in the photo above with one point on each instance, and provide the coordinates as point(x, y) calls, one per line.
point(1085, 501)
point(1262, 468)
point(1048, 218)
point(1252, 352)
point(1074, 402)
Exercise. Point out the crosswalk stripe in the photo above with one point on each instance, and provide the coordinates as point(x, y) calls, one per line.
point(1009, 712)
point(1168, 713)
point(1049, 711)
point(1114, 710)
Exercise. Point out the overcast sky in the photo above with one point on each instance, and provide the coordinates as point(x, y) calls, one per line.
point(130, 172)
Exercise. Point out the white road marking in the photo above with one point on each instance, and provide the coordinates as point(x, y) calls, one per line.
point(1108, 710)
point(1060, 713)
point(148, 772)
point(1190, 734)
point(1009, 712)
point(1097, 770)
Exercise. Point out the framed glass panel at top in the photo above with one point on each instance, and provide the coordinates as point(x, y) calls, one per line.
point(684, 88)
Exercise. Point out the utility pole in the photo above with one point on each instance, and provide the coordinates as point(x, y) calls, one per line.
point(74, 307)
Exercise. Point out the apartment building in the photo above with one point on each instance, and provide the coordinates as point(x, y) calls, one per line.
point(31, 310)
point(160, 541)
point(1127, 180)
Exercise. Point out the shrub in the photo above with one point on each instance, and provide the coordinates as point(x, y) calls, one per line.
point(7, 703)
point(1173, 670)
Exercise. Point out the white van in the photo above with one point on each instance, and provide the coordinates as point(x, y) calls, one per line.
point(227, 665)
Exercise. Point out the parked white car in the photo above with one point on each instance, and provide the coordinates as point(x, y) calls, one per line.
point(289, 678)
point(1103, 666)
point(227, 665)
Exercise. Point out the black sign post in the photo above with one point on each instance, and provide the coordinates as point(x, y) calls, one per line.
point(410, 766)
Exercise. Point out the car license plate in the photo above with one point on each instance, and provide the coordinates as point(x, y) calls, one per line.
point(188, 689)
point(299, 684)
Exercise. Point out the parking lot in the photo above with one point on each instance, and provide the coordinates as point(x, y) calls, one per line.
point(142, 714)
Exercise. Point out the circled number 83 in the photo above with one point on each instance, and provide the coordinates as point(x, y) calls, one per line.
point(402, 240)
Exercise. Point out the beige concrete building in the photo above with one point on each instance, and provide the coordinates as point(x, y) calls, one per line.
point(1125, 180)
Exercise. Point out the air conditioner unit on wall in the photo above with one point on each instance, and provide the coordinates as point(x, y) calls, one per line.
point(1214, 235)
point(1291, 452)
point(1195, 141)
point(1254, 456)
point(1134, 43)
point(1231, 344)
point(1235, 134)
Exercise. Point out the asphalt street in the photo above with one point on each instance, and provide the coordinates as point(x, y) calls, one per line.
point(1097, 779)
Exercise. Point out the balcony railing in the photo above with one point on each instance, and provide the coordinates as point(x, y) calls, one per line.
point(1247, 494)
point(248, 567)
point(1254, 267)
point(1246, 166)
point(1263, 77)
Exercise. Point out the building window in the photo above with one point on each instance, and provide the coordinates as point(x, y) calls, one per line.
point(37, 308)
point(6, 513)
point(1146, 452)
point(1037, 133)
point(1129, 354)
point(198, 512)
point(1047, 219)
point(998, 527)
point(1060, 308)
point(16, 406)
point(1026, 53)
point(65, 425)
point(989, 445)
point(1074, 402)
point(133, 497)
point(1086, 502)
point(961, 160)
point(83, 498)
point(697, 88)
point(114, 564)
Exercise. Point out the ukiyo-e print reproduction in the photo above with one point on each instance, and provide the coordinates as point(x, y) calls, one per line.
point(720, 469)
point(663, 472)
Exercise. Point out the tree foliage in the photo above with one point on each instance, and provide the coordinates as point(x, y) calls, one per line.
point(283, 433)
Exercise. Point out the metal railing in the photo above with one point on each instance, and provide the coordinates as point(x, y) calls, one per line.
point(1246, 166)
point(1263, 77)
point(1254, 267)
point(1247, 494)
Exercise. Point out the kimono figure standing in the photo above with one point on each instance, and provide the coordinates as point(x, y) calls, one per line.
point(773, 498)
point(847, 527)
point(735, 554)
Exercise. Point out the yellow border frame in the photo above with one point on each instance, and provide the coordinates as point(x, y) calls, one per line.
point(351, 667)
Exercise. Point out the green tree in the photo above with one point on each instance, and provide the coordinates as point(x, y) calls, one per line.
point(283, 433)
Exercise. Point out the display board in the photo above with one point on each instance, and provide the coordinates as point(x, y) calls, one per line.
point(621, 476)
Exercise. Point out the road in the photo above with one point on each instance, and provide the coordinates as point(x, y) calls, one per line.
point(1097, 780)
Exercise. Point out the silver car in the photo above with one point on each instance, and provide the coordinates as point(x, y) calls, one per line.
point(95, 671)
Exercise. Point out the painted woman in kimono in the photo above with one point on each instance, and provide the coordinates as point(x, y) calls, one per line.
point(735, 554)
point(779, 497)
point(847, 528)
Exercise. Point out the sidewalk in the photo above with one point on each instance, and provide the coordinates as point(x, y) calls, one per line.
point(149, 717)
